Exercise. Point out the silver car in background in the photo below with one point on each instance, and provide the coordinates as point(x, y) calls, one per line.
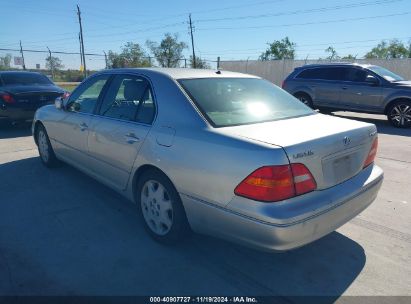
point(225, 154)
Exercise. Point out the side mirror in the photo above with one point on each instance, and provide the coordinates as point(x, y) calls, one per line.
point(371, 80)
point(59, 104)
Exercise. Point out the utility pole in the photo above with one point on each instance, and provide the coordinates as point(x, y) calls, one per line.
point(192, 41)
point(51, 64)
point(22, 56)
point(82, 41)
point(81, 53)
point(105, 58)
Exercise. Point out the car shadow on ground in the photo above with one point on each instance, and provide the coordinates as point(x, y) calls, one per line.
point(383, 126)
point(12, 131)
point(63, 233)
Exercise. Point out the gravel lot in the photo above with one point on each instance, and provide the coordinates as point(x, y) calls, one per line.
point(62, 233)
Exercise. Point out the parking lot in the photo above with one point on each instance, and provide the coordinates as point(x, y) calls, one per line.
point(62, 233)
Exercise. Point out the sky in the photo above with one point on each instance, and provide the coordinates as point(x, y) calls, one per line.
point(231, 29)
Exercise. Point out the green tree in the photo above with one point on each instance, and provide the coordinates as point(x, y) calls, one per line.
point(5, 62)
point(389, 50)
point(200, 63)
point(54, 63)
point(132, 55)
point(279, 49)
point(349, 57)
point(332, 53)
point(169, 52)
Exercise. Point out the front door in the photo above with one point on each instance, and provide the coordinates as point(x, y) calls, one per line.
point(119, 129)
point(71, 132)
point(358, 94)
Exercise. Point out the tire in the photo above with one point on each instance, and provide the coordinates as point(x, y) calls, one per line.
point(161, 208)
point(399, 114)
point(46, 152)
point(304, 98)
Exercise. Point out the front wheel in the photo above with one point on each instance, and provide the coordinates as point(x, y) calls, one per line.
point(399, 114)
point(47, 156)
point(161, 207)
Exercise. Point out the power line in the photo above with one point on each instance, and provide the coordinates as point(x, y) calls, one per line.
point(306, 23)
point(297, 12)
point(54, 52)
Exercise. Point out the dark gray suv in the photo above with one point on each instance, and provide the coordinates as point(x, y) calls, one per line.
point(353, 87)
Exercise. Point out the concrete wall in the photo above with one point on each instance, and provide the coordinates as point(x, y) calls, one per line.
point(276, 70)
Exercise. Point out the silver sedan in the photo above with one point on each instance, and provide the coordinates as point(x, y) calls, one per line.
point(220, 153)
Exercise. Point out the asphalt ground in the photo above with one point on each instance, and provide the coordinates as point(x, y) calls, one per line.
point(63, 233)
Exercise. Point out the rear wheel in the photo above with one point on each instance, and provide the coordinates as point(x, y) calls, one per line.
point(161, 207)
point(304, 98)
point(399, 114)
point(47, 156)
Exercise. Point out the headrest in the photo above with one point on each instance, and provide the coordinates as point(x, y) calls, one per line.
point(134, 89)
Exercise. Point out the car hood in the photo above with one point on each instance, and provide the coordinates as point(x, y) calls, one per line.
point(333, 148)
point(20, 89)
point(402, 84)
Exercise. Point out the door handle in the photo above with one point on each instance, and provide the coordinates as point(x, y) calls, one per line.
point(131, 138)
point(359, 93)
point(344, 88)
point(83, 126)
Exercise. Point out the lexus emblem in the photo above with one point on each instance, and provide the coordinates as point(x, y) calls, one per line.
point(346, 140)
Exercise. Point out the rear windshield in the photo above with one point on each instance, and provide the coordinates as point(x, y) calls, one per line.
point(237, 101)
point(24, 79)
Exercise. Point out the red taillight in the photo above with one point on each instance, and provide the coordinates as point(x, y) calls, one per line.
point(7, 98)
point(371, 155)
point(276, 183)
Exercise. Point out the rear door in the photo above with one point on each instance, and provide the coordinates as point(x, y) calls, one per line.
point(71, 132)
point(120, 128)
point(357, 93)
point(325, 83)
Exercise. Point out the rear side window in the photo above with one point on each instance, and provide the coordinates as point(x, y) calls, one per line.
point(326, 73)
point(25, 79)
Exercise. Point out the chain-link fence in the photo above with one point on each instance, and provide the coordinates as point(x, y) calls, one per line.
point(69, 66)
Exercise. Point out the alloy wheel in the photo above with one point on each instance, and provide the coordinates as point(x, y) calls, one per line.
point(43, 146)
point(400, 114)
point(157, 207)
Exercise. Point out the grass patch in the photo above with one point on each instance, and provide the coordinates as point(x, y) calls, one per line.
point(68, 86)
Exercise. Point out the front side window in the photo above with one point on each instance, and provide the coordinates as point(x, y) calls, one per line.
point(129, 98)
point(238, 101)
point(354, 75)
point(85, 98)
point(21, 78)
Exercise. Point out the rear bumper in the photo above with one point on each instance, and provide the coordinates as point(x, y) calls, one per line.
point(288, 224)
point(16, 114)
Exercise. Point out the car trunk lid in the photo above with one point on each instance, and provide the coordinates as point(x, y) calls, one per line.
point(33, 96)
point(333, 149)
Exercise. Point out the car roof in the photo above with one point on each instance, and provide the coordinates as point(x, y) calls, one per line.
point(19, 72)
point(331, 64)
point(184, 73)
